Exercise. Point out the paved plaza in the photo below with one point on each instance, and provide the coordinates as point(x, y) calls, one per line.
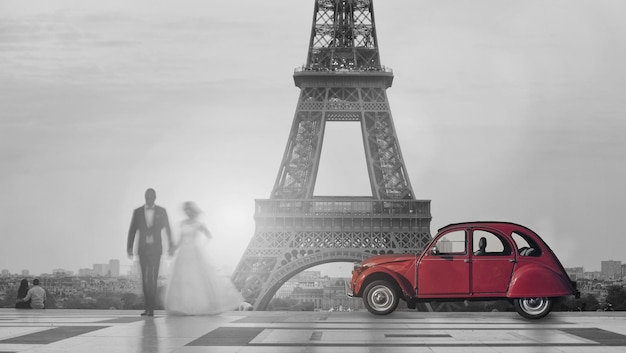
point(282, 332)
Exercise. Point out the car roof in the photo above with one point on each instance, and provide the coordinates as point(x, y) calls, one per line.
point(494, 224)
point(506, 227)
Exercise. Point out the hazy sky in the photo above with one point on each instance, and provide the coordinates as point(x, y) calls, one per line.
point(505, 110)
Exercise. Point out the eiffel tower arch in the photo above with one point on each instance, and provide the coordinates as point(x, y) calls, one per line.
point(342, 80)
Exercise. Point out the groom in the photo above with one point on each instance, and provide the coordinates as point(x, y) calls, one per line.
point(149, 220)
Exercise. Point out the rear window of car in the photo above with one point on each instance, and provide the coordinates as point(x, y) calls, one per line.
point(526, 246)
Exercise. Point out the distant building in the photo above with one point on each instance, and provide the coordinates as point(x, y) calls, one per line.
point(575, 273)
point(593, 275)
point(135, 270)
point(312, 290)
point(305, 279)
point(313, 296)
point(5, 272)
point(25, 273)
point(286, 289)
point(335, 296)
point(308, 276)
point(611, 269)
point(59, 272)
point(114, 268)
point(101, 269)
point(86, 272)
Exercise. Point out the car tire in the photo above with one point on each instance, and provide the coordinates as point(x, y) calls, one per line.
point(533, 308)
point(381, 297)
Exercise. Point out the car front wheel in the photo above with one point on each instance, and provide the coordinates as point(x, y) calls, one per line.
point(380, 297)
point(533, 308)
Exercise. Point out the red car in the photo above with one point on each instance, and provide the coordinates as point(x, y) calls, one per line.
point(468, 261)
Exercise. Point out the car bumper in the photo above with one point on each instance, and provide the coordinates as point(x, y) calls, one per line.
point(349, 291)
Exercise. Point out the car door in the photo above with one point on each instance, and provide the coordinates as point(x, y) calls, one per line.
point(491, 264)
point(444, 269)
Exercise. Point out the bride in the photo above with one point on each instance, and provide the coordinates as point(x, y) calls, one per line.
point(195, 287)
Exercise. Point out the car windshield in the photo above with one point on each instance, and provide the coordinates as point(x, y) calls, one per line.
point(453, 243)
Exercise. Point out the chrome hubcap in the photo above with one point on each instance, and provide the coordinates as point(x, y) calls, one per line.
point(534, 306)
point(381, 298)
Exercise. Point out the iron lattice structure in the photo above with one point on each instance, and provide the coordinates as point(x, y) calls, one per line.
point(342, 80)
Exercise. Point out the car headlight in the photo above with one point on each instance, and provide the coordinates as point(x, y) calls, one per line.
point(358, 268)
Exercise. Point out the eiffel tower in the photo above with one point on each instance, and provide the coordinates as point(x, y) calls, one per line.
point(341, 81)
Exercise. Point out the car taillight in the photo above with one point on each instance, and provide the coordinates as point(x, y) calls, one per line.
point(576, 291)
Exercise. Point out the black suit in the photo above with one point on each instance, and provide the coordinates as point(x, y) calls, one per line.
point(149, 249)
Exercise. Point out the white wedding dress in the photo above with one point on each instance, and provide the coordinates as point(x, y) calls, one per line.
point(195, 287)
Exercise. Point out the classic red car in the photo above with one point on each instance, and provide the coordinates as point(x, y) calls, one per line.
point(467, 261)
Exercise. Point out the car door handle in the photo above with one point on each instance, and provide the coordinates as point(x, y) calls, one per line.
point(512, 260)
point(467, 261)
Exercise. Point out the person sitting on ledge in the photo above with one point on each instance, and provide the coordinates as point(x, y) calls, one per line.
point(22, 291)
point(36, 295)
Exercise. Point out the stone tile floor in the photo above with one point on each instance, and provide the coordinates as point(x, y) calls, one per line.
point(304, 332)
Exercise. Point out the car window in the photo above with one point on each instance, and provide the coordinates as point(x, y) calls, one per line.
point(453, 243)
point(526, 246)
point(485, 243)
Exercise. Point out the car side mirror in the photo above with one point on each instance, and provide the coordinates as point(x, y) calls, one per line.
point(434, 251)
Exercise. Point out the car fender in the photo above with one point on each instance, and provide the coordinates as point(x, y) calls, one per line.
point(535, 280)
point(376, 273)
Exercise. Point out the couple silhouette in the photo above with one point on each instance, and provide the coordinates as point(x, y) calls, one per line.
point(195, 287)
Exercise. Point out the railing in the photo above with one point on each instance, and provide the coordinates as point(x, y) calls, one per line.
point(382, 69)
point(342, 207)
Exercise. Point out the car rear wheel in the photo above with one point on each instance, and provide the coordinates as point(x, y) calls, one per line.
point(380, 297)
point(533, 308)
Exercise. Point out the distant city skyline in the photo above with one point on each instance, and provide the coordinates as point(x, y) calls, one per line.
point(332, 269)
